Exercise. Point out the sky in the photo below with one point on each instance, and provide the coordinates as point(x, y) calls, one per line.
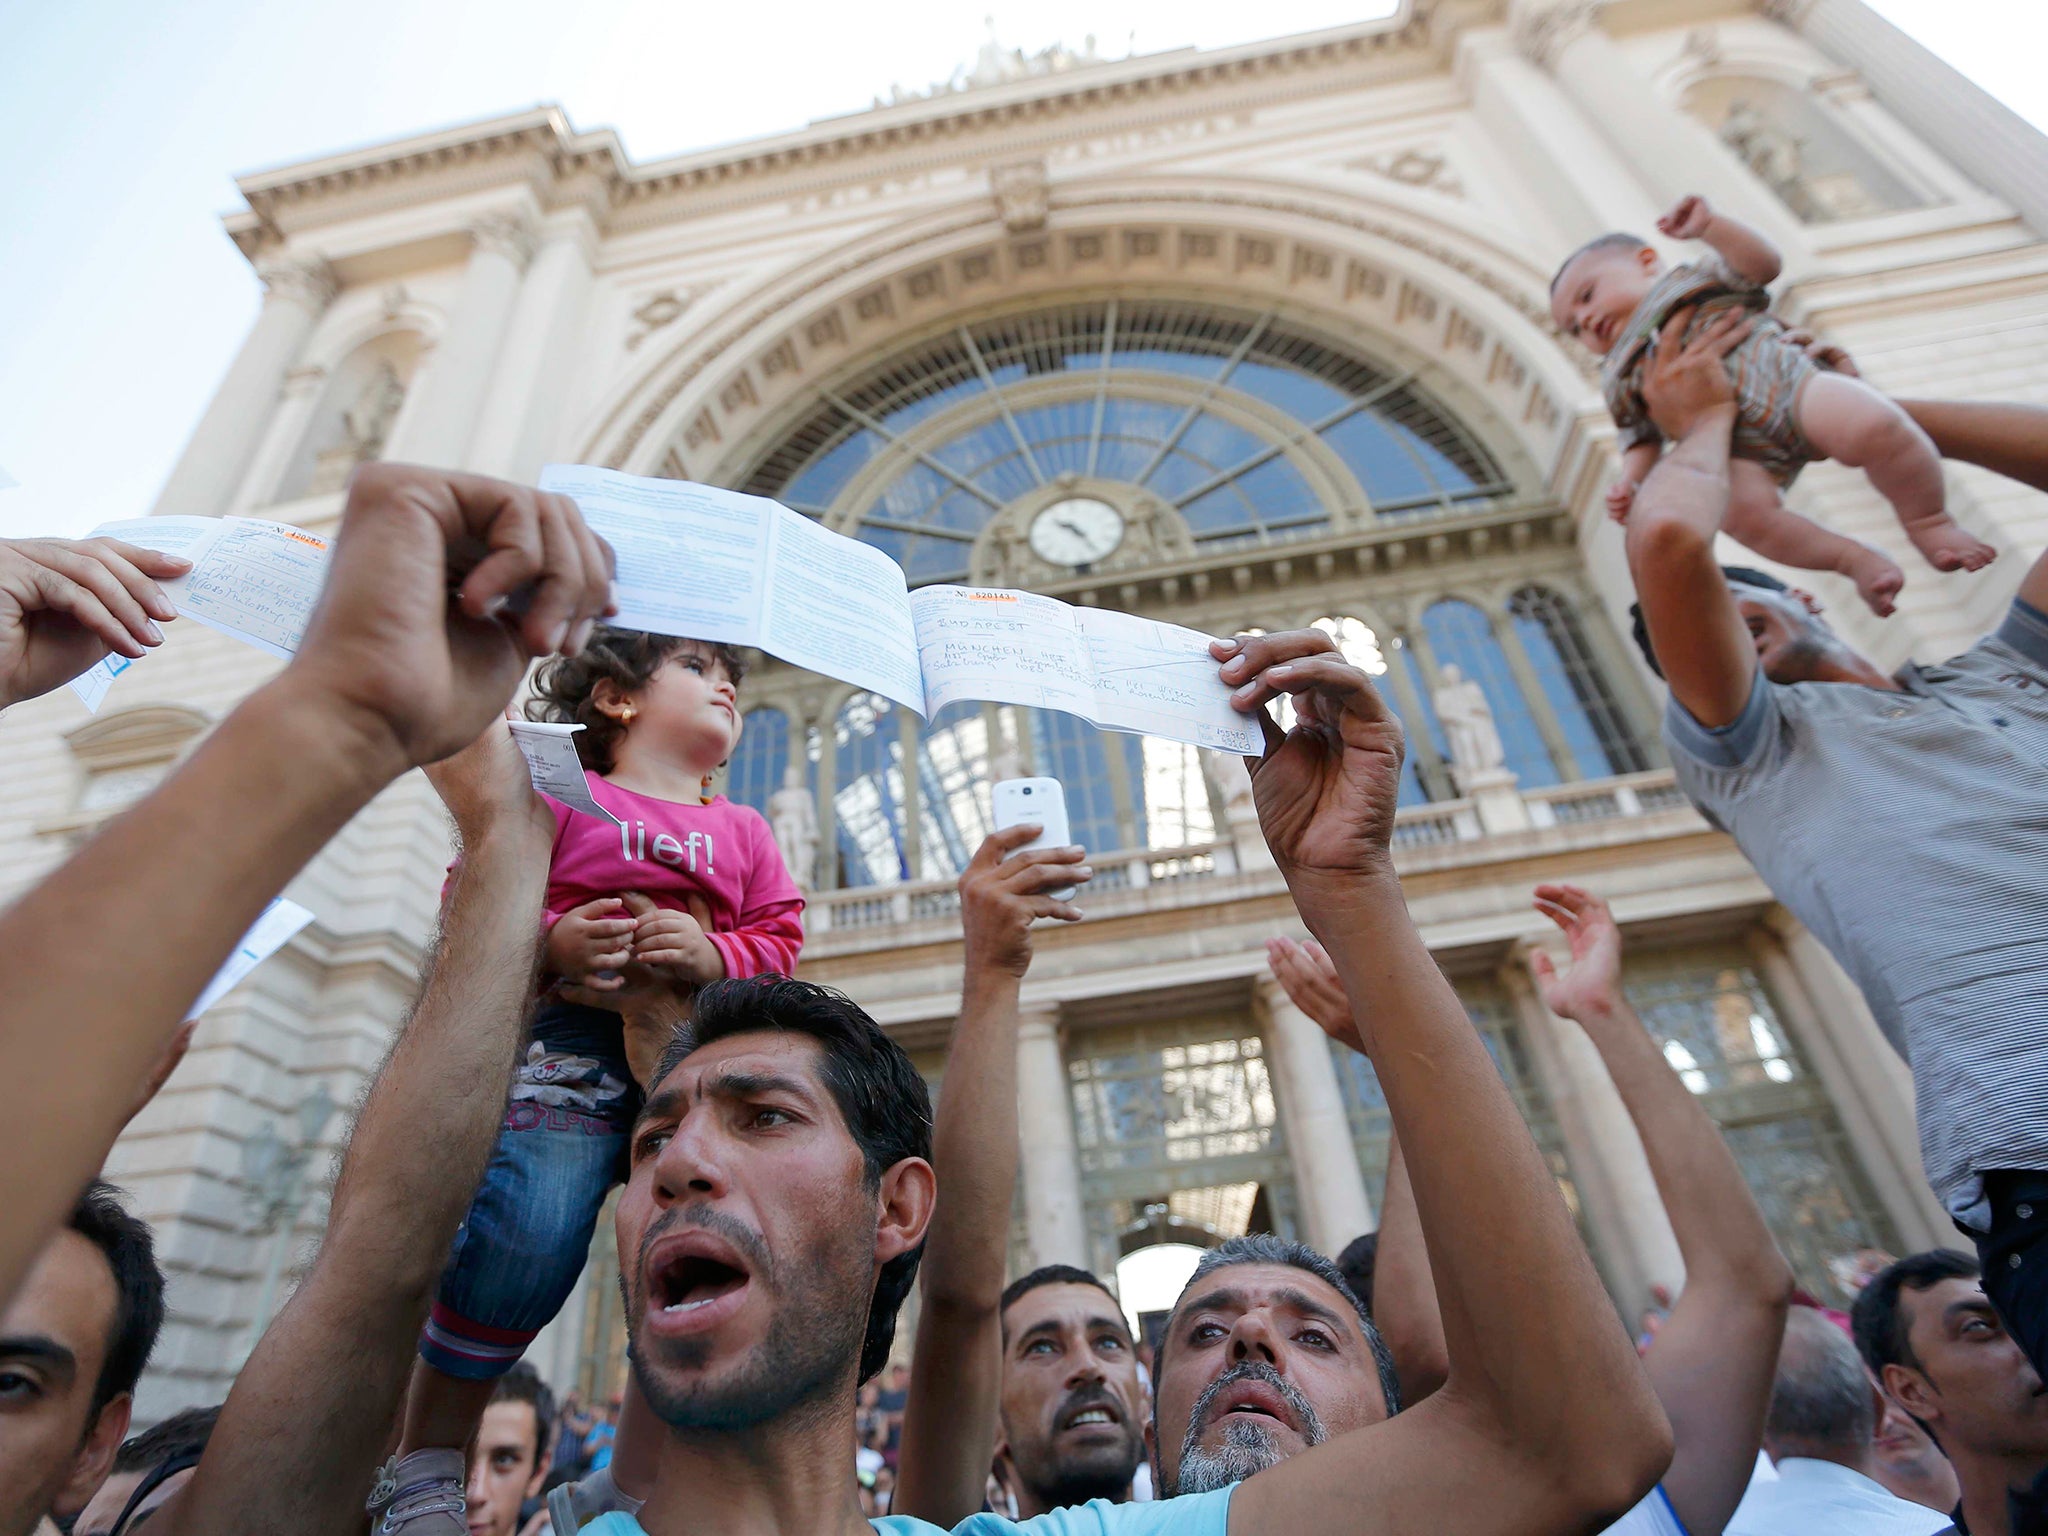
point(122, 302)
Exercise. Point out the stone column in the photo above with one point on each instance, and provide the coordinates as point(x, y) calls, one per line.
point(1670, 152)
point(1050, 1158)
point(1328, 1184)
point(289, 424)
point(211, 469)
point(454, 380)
point(515, 436)
point(1867, 1080)
point(1632, 1237)
point(1578, 180)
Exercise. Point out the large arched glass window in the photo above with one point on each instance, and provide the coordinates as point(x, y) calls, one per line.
point(1250, 426)
point(955, 772)
point(1361, 647)
point(1592, 721)
point(757, 765)
point(1087, 762)
point(1461, 634)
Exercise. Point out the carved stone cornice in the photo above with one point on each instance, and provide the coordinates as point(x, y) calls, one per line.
point(310, 283)
point(506, 235)
point(1544, 30)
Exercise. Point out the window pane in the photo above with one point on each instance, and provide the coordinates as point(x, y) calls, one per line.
point(1462, 634)
point(1077, 754)
point(755, 772)
point(954, 775)
point(867, 801)
point(1593, 723)
point(1175, 810)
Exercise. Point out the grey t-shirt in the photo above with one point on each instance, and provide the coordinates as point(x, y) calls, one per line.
point(1909, 832)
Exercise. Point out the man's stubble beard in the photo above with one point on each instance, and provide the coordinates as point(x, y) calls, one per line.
point(1101, 1473)
point(1248, 1447)
point(813, 1342)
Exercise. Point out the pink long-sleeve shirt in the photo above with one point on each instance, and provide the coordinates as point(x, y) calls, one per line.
point(667, 850)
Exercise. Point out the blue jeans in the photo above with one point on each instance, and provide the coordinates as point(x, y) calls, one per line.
point(519, 1251)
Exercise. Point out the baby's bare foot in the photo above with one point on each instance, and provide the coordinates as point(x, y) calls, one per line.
point(1877, 581)
point(1948, 547)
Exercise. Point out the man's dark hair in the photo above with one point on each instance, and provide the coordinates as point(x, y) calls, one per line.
point(1742, 575)
point(1356, 1265)
point(1054, 1274)
point(522, 1384)
point(885, 1104)
point(565, 688)
point(1879, 1322)
point(1265, 1248)
point(1616, 240)
point(182, 1434)
point(130, 1251)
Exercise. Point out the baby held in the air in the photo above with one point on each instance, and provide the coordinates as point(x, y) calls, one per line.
point(1615, 294)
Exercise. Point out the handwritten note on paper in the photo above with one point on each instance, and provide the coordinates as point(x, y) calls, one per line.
point(550, 752)
point(1012, 647)
point(270, 932)
point(253, 580)
point(1160, 680)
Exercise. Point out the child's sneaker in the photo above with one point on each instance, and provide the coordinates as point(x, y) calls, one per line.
point(421, 1495)
point(571, 1506)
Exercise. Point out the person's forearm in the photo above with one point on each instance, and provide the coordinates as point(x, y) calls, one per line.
point(1721, 1234)
point(325, 1383)
point(2007, 438)
point(949, 1421)
point(1403, 1290)
point(1747, 253)
point(118, 942)
point(1687, 489)
point(1513, 1281)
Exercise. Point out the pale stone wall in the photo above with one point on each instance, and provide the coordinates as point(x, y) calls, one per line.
point(1405, 187)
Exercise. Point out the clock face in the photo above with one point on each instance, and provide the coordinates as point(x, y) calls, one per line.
point(1077, 531)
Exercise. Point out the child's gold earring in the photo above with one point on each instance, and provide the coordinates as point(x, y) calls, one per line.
point(626, 714)
point(704, 794)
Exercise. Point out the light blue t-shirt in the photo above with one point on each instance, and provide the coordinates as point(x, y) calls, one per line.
point(1197, 1514)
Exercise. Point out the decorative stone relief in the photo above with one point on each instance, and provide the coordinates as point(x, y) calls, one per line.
point(1414, 167)
point(506, 235)
point(1022, 194)
point(657, 311)
point(1544, 31)
point(365, 428)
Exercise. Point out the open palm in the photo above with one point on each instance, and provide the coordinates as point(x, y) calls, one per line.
point(1594, 981)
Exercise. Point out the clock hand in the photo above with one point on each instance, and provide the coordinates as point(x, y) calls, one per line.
point(1075, 529)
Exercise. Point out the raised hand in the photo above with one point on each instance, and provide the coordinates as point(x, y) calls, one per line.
point(65, 603)
point(1686, 382)
point(415, 675)
point(1592, 986)
point(1310, 980)
point(1688, 218)
point(1325, 790)
point(1620, 497)
point(1002, 892)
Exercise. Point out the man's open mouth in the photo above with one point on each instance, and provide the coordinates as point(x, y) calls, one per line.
point(1093, 1413)
point(690, 1273)
point(1258, 1400)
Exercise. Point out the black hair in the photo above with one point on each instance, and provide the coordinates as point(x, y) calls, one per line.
point(1742, 575)
point(182, 1434)
point(881, 1097)
point(565, 688)
point(1877, 1319)
point(522, 1384)
point(1356, 1264)
point(130, 1251)
point(1615, 240)
point(1265, 1248)
point(1054, 1274)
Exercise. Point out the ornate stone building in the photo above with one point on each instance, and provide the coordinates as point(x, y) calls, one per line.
point(1267, 327)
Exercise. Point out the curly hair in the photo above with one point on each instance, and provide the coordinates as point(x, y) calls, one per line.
point(565, 688)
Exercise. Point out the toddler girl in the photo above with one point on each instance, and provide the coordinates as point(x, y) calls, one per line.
point(659, 715)
point(1615, 295)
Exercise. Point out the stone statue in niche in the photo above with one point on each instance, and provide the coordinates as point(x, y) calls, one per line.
point(365, 428)
point(1772, 153)
point(793, 818)
point(1467, 719)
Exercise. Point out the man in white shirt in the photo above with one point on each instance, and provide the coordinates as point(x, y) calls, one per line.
point(1819, 1432)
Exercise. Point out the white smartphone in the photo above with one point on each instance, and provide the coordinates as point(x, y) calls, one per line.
point(1035, 800)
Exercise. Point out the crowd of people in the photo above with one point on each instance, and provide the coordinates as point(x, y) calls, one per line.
point(602, 1012)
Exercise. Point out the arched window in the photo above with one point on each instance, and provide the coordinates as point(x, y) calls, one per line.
point(1594, 726)
point(868, 792)
point(1461, 634)
point(1173, 807)
point(1361, 647)
point(956, 760)
point(1087, 762)
point(757, 765)
point(1226, 416)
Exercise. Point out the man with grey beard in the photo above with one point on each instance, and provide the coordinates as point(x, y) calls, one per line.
point(1280, 1316)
